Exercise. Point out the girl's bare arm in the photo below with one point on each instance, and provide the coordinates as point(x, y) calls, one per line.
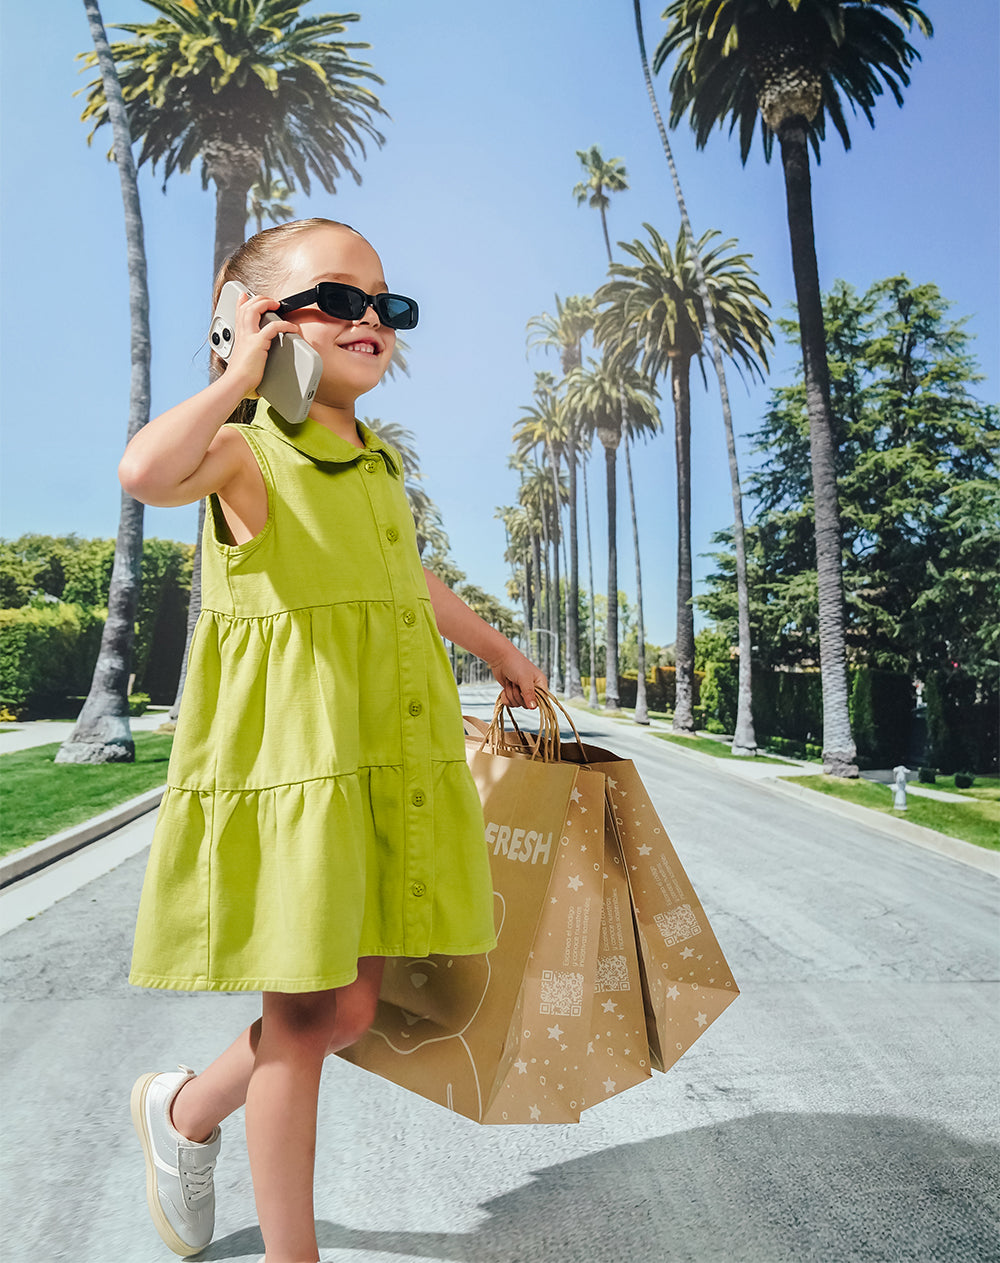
point(516, 674)
point(183, 454)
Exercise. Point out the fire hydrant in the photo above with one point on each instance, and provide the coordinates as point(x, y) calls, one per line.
point(899, 788)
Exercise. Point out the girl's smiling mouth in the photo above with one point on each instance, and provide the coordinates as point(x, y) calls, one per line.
point(362, 346)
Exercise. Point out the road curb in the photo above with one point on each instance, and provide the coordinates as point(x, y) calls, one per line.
point(903, 830)
point(40, 854)
point(929, 839)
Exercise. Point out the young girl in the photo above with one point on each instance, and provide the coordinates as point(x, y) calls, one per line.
point(319, 815)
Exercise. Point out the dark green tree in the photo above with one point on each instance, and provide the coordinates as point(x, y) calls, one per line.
point(916, 465)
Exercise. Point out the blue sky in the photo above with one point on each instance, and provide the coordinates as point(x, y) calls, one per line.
point(470, 204)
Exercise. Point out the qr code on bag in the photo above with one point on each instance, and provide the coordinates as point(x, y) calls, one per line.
point(562, 994)
point(678, 924)
point(612, 974)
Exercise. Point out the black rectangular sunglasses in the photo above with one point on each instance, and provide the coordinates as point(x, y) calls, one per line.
point(345, 302)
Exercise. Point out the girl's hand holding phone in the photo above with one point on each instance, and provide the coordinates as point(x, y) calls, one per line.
point(253, 339)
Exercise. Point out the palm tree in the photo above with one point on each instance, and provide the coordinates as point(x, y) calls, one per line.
point(614, 402)
point(603, 177)
point(592, 691)
point(611, 176)
point(102, 733)
point(536, 494)
point(544, 425)
point(269, 199)
point(790, 61)
point(253, 90)
point(654, 315)
point(744, 737)
point(565, 332)
point(518, 556)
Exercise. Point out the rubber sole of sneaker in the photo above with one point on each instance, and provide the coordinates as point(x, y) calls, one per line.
point(160, 1222)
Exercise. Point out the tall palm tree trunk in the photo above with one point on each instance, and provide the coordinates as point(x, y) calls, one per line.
point(839, 751)
point(555, 682)
point(744, 738)
point(564, 605)
point(545, 585)
point(592, 691)
point(529, 602)
point(607, 239)
point(574, 687)
point(541, 648)
point(641, 711)
point(550, 667)
point(684, 646)
point(102, 733)
point(611, 700)
point(232, 168)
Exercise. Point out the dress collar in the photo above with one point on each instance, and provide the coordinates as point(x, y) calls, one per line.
point(319, 443)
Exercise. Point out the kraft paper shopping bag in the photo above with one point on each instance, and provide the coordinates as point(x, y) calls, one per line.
point(686, 979)
point(501, 1037)
point(618, 1055)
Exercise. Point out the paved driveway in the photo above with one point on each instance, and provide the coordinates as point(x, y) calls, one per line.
point(842, 1109)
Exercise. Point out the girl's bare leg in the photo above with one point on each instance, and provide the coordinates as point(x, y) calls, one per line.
point(284, 1050)
point(206, 1100)
point(297, 1032)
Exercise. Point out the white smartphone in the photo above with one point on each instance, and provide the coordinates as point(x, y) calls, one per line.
point(293, 369)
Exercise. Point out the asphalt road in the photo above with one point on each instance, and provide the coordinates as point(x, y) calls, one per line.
point(844, 1108)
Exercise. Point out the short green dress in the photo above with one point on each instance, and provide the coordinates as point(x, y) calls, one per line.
point(319, 807)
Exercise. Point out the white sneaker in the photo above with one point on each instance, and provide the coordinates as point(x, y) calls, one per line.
point(180, 1191)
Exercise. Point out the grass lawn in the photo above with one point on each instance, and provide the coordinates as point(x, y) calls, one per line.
point(986, 788)
point(41, 797)
point(976, 821)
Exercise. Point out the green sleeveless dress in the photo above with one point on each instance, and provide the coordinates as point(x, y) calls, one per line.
point(319, 807)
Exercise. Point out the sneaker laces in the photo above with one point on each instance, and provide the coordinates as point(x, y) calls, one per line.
point(197, 1182)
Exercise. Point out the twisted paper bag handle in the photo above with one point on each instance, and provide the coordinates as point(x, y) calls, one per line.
point(543, 745)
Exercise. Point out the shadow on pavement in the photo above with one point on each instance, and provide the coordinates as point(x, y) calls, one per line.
point(763, 1189)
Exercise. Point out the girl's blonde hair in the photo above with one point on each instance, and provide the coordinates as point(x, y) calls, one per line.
point(258, 265)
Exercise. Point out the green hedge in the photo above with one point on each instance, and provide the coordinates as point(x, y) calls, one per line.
point(962, 723)
point(47, 654)
point(661, 688)
point(788, 709)
point(719, 691)
point(881, 708)
point(787, 704)
point(35, 569)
